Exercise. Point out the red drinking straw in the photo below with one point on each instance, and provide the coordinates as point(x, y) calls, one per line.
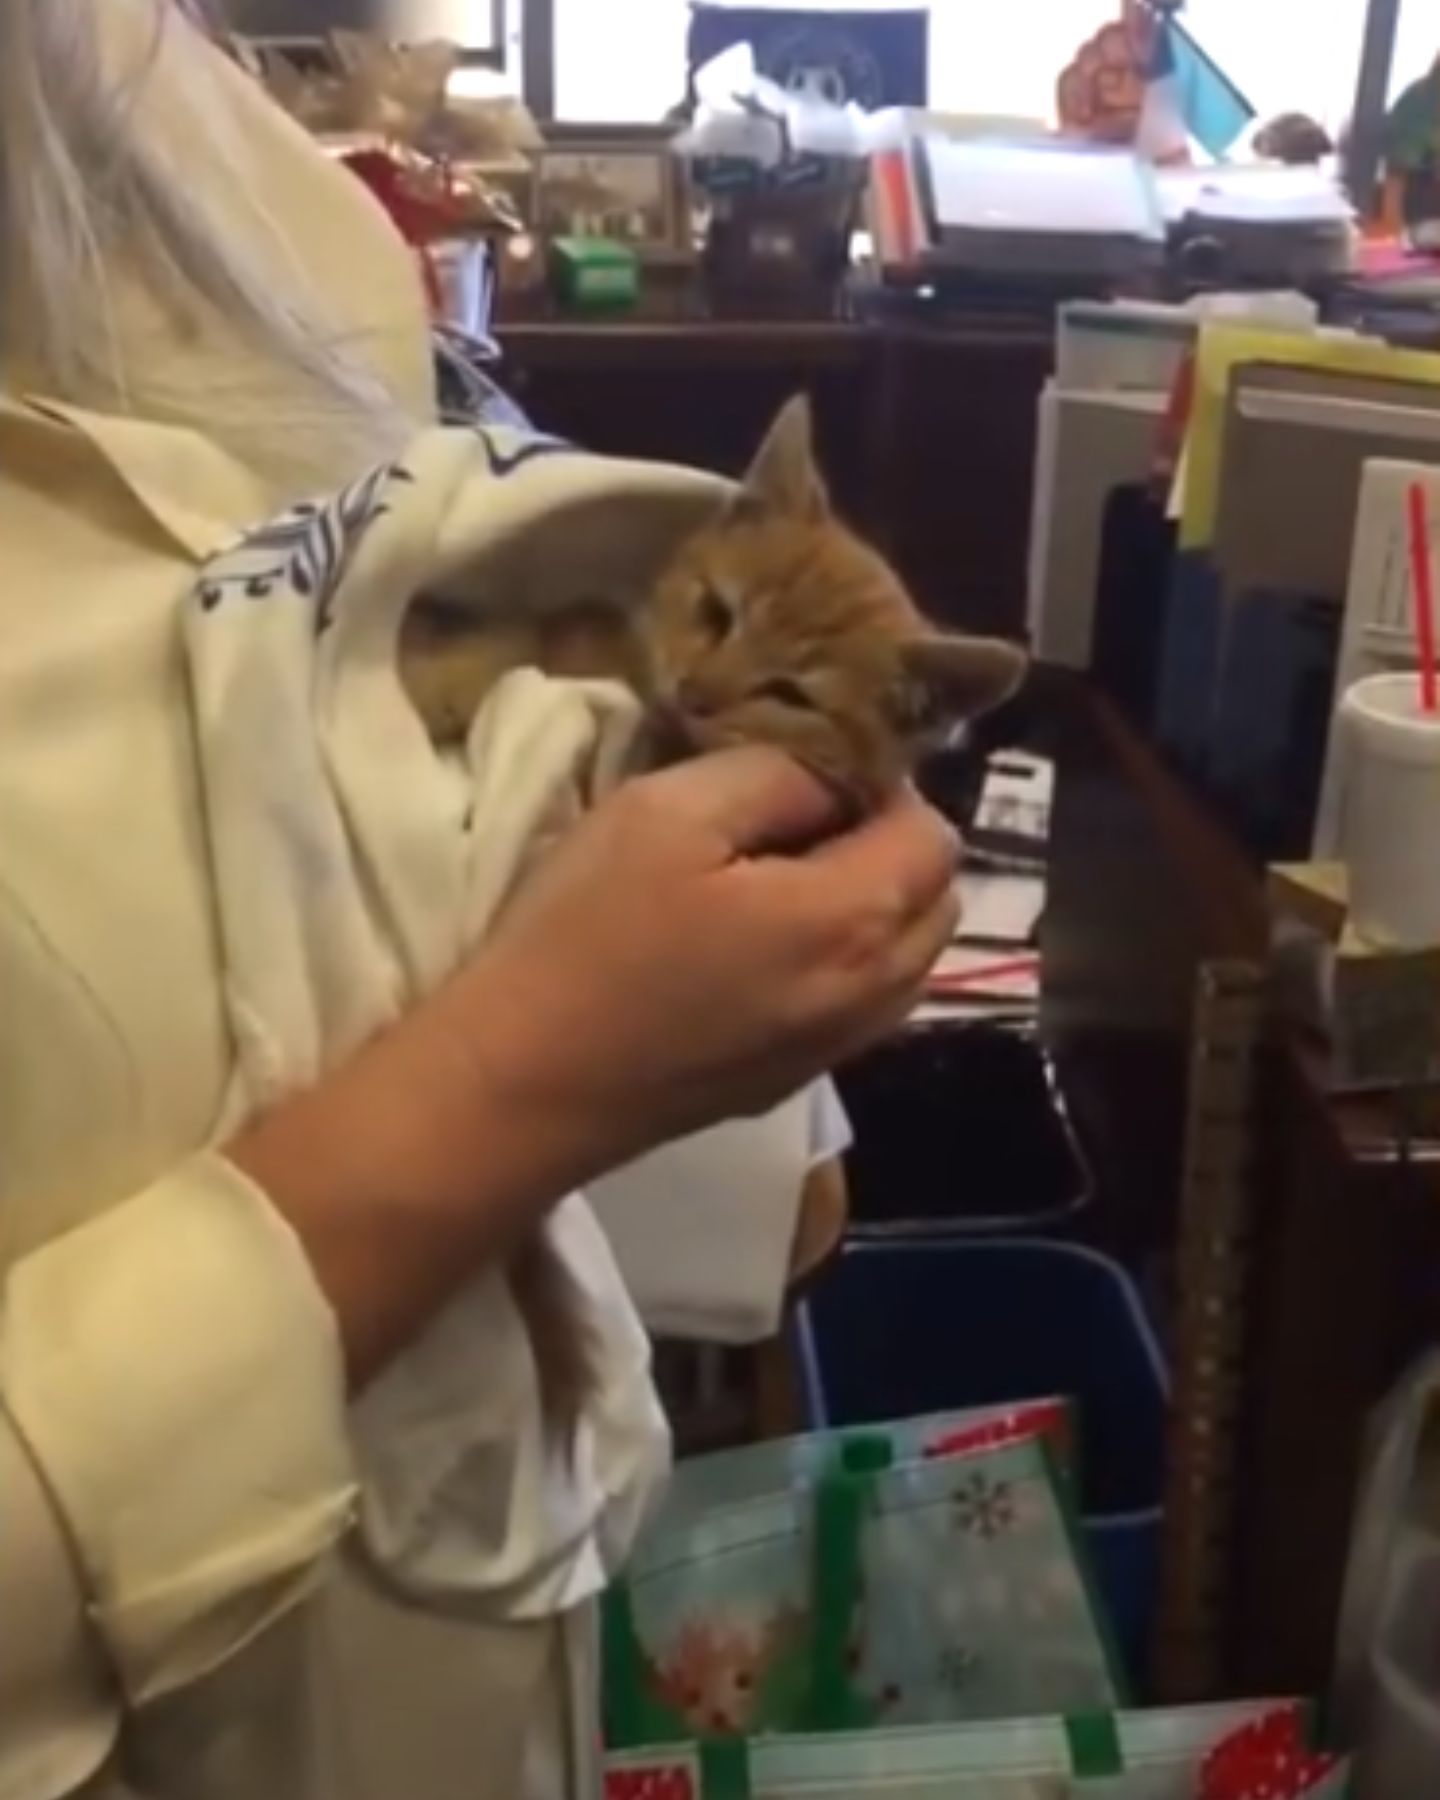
point(1424, 590)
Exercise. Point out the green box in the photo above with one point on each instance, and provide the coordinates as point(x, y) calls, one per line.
point(594, 274)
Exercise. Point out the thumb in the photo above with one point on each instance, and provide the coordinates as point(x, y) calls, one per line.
point(755, 799)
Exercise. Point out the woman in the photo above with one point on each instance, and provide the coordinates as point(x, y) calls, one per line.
point(194, 1313)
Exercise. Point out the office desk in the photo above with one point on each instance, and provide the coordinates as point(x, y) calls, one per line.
point(1339, 1281)
point(927, 435)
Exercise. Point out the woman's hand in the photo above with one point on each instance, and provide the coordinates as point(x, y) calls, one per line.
point(670, 964)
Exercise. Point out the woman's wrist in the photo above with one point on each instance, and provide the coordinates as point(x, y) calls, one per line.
point(423, 1159)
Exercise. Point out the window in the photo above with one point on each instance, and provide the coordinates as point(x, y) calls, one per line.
point(476, 25)
point(625, 59)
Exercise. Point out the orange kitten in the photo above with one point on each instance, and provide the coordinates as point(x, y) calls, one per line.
point(772, 624)
point(777, 625)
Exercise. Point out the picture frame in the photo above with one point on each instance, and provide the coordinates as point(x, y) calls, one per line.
point(619, 181)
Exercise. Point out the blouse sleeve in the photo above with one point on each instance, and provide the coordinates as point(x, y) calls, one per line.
point(176, 1378)
point(60, 1713)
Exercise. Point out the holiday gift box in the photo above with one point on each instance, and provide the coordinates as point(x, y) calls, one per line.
point(909, 1591)
point(1256, 1751)
point(974, 1599)
point(727, 1477)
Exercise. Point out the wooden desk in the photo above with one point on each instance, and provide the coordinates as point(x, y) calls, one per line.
point(1342, 1275)
point(927, 436)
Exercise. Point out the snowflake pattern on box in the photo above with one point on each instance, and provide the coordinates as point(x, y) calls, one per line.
point(973, 1605)
point(984, 1508)
point(955, 1667)
point(304, 551)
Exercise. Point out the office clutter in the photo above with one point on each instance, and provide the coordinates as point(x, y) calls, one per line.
point(1411, 148)
point(869, 57)
point(1390, 831)
point(436, 162)
point(991, 972)
point(952, 209)
point(782, 171)
point(1109, 431)
point(1208, 541)
point(1143, 80)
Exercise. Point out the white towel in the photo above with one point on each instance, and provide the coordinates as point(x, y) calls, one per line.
point(353, 871)
point(705, 1229)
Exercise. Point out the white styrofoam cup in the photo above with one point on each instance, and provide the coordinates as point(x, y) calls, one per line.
point(1390, 828)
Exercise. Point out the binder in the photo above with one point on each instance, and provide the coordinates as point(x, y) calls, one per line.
point(1262, 633)
point(1089, 445)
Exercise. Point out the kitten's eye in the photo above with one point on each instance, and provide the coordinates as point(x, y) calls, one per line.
point(715, 614)
point(787, 692)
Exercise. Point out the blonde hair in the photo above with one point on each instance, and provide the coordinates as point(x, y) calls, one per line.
point(83, 192)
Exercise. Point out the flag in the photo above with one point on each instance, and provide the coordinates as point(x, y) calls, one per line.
point(1163, 133)
point(1213, 109)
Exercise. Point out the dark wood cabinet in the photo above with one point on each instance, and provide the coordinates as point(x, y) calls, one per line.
point(927, 436)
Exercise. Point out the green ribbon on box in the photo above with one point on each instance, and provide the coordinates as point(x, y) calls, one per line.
point(827, 1699)
point(1095, 1750)
point(843, 1500)
point(725, 1769)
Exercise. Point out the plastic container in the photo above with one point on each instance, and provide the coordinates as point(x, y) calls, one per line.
point(1400, 1754)
point(1390, 818)
point(959, 1129)
point(899, 1328)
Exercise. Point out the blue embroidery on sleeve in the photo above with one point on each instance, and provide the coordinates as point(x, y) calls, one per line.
point(305, 550)
point(510, 451)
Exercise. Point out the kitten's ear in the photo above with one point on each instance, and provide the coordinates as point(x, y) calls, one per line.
point(951, 679)
point(784, 481)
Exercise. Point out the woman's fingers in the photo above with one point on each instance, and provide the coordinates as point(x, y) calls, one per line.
point(755, 800)
point(920, 947)
point(906, 857)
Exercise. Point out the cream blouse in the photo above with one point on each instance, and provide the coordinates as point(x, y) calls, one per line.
point(176, 1467)
point(172, 1273)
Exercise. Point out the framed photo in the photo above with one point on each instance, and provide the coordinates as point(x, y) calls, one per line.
point(621, 183)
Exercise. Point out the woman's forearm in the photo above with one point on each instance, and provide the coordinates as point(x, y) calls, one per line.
point(657, 973)
point(409, 1170)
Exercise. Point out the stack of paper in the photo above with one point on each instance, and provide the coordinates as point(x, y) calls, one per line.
point(987, 199)
point(992, 969)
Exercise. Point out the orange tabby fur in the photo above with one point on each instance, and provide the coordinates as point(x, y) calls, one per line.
point(772, 624)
